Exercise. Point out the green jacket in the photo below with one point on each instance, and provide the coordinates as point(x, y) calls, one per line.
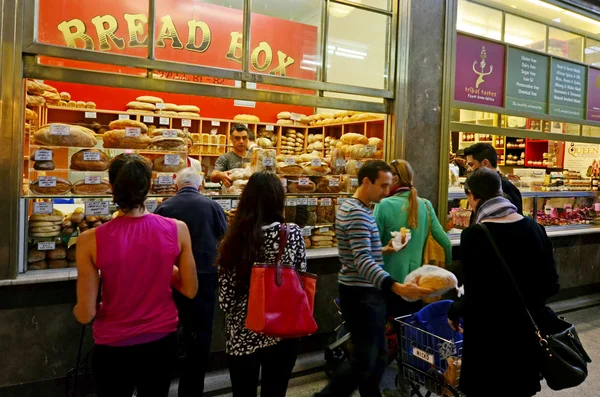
point(391, 215)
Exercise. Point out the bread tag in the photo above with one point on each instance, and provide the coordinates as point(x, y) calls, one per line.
point(334, 182)
point(43, 208)
point(123, 117)
point(92, 180)
point(60, 129)
point(43, 155)
point(46, 245)
point(215, 123)
point(133, 132)
point(172, 159)
point(313, 201)
point(91, 156)
point(284, 182)
point(270, 128)
point(306, 231)
point(354, 182)
point(268, 161)
point(290, 202)
point(234, 204)
point(316, 162)
point(302, 201)
point(326, 202)
point(289, 161)
point(225, 204)
point(47, 181)
point(90, 115)
point(296, 117)
point(151, 205)
point(340, 163)
point(163, 121)
point(96, 208)
point(303, 181)
point(165, 179)
point(161, 106)
point(324, 230)
point(148, 119)
point(186, 123)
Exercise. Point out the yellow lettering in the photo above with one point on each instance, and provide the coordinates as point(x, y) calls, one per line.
point(193, 26)
point(266, 48)
point(106, 26)
point(234, 46)
point(74, 30)
point(168, 32)
point(283, 63)
point(135, 26)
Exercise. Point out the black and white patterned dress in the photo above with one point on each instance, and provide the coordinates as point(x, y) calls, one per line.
point(241, 340)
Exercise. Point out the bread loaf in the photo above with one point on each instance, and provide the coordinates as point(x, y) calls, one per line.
point(122, 124)
point(141, 111)
point(30, 114)
point(247, 117)
point(291, 169)
point(35, 88)
point(71, 104)
point(78, 216)
point(352, 138)
point(71, 252)
point(82, 188)
point(159, 165)
point(57, 263)
point(325, 185)
point(170, 144)
point(60, 252)
point(41, 265)
point(295, 187)
point(159, 132)
point(52, 98)
point(63, 186)
point(80, 105)
point(137, 105)
point(79, 162)
point(118, 139)
point(187, 108)
point(65, 96)
point(264, 143)
point(55, 216)
point(285, 122)
point(188, 115)
point(378, 143)
point(284, 115)
point(78, 137)
point(310, 169)
point(170, 107)
point(35, 100)
point(35, 255)
point(321, 238)
point(149, 99)
point(44, 165)
point(45, 229)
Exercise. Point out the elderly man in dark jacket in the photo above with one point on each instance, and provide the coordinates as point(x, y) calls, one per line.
point(207, 224)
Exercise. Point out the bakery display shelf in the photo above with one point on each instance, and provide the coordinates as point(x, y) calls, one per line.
point(288, 195)
point(83, 196)
point(124, 150)
point(63, 170)
point(105, 111)
point(456, 195)
point(347, 123)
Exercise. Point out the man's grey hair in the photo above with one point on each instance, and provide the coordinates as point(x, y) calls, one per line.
point(188, 176)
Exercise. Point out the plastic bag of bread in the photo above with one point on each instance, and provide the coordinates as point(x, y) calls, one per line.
point(360, 151)
point(263, 160)
point(432, 277)
point(237, 174)
point(353, 138)
point(338, 162)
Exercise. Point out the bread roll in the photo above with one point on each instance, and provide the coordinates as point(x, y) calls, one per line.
point(30, 114)
point(141, 105)
point(57, 263)
point(60, 252)
point(187, 109)
point(44, 165)
point(34, 255)
point(284, 115)
point(77, 216)
point(35, 100)
point(117, 139)
point(79, 163)
point(159, 165)
point(41, 265)
point(80, 105)
point(78, 137)
point(35, 88)
point(65, 96)
point(72, 104)
point(122, 124)
point(352, 138)
point(80, 187)
point(63, 186)
point(149, 99)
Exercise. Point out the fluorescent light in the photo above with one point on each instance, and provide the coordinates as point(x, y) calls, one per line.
point(346, 55)
point(556, 20)
point(544, 4)
point(347, 51)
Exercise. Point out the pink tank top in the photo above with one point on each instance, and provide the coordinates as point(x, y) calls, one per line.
point(136, 257)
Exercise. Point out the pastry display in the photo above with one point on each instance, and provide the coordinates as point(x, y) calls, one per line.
point(122, 124)
point(90, 160)
point(52, 186)
point(116, 139)
point(75, 135)
point(83, 187)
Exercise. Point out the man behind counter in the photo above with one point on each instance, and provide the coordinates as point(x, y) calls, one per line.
point(234, 159)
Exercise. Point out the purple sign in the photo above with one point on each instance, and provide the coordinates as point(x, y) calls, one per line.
point(594, 95)
point(479, 71)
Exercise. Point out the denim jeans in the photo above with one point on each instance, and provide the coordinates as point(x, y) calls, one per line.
point(364, 311)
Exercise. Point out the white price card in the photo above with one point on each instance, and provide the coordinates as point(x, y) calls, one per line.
point(290, 161)
point(92, 180)
point(359, 164)
point(302, 201)
point(306, 231)
point(284, 182)
point(186, 123)
point(296, 116)
point(90, 115)
point(123, 117)
point(151, 205)
point(148, 119)
point(43, 208)
point(340, 163)
point(268, 161)
point(234, 203)
point(60, 129)
point(133, 131)
point(47, 181)
point(160, 106)
point(303, 181)
point(91, 156)
point(316, 162)
point(165, 179)
point(326, 202)
point(215, 123)
point(96, 208)
point(290, 202)
point(354, 182)
point(270, 128)
point(225, 204)
point(313, 201)
point(43, 155)
point(334, 182)
point(172, 159)
point(324, 230)
point(163, 121)
point(169, 133)
point(46, 245)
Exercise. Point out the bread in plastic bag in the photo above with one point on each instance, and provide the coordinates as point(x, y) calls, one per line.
point(432, 277)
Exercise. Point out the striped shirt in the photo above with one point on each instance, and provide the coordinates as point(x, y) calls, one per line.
point(360, 247)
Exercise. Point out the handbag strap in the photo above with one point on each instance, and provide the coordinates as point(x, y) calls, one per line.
point(283, 239)
point(428, 217)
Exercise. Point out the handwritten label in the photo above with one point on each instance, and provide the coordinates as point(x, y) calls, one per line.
point(92, 180)
point(296, 116)
point(43, 155)
point(123, 117)
point(43, 208)
point(133, 131)
point(234, 203)
point(290, 203)
point(46, 245)
point(225, 204)
point(334, 182)
point(91, 156)
point(316, 162)
point(215, 123)
point(359, 165)
point(268, 161)
point(172, 159)
point(324, 230)
point(326, 202)
point(90, 115)
point(151, 205)
point(186, 123)
point(60, 129)
point(289, 161)
point(340, 163)
point(270, 128)
point(47, 181)
point(284, 182)
point(354, 182)
point(160, 106)
point(165, 179)
point(306, 231)
point(313, 201)
point(148, 119)
point(163, 121)
point(302, 201)
point(303, 181)
point(96, 208)
point(169, 133)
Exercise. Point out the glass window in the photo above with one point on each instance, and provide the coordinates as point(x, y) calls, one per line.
point(479, 20)
point(565, 44)
point(525, 33)
point(356, 47)
point(592, 52)
point(383, 4)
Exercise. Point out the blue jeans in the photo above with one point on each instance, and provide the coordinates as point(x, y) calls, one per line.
point(364, 310)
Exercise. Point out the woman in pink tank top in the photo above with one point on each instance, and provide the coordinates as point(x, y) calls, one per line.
point(139, 256)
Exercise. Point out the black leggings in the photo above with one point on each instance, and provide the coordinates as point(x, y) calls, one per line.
point(147, 367)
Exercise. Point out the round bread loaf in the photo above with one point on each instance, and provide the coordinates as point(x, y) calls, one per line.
point(35, 255)
point(65, 96)
point(122, 124)
point(41, 224)
point(41, 265)
point(43, 229)
point(119, 139)
point(81, 105)
point(94, 160)
point(55, 216)
point(188, 108)
point(141, 105)
point(149, 99)
point(44, 165)
point(60, 252)
point(90, 105)
point(57, 263)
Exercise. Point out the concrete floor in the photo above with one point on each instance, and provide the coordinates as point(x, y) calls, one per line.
point(588, 327)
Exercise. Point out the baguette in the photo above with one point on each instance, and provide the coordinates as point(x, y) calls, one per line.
point(35, 88)
point(30, 114)
point(35, 100)
point(78, 137)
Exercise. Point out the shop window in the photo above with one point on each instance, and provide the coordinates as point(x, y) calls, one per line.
point(565, 44)
point(356, 48)
point(592, 52)
point(525, 33)
point(479, 20)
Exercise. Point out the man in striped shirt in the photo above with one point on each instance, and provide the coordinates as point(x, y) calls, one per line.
point(362, 283)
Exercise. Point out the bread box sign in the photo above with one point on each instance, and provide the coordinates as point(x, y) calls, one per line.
point(96, 208)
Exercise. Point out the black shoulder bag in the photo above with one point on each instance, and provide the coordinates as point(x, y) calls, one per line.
point(563, 359)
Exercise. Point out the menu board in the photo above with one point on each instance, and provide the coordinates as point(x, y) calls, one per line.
point(526, 81)
point(593, 104)
point(567, 89)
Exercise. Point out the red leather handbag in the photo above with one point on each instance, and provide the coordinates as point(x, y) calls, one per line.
point(281, 299)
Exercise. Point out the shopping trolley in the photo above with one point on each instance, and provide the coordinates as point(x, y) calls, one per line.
point(427, 360)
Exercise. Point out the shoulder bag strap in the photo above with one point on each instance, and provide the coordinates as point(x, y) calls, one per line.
point(283, 239)
point(510, 276)
point(428, 217)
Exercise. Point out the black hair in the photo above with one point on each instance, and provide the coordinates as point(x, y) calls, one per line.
point(484, 184)
point(371, 169)
point(239, 128)
point(130, 176)
point(483, 151)
point(261, 204)
point(251, 136)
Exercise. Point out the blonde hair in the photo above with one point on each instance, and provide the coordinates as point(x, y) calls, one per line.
point(405, 179)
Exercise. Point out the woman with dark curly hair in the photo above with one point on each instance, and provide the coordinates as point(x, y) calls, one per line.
point(138, 256)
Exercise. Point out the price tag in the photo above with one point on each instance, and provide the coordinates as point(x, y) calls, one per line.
point(91, 156)
point(160, 106)
point(133, 131)
point(165, 179)
point(123, 117)
point(359, 164)
point(43, 155)
point(334, 182)
point(60, 129)
point(148, 119)
point(268, 161)
point(186, 123)
point(46, 245)
point(341, 201)
point(324, 230)
point(316, 162)
point(151, 205)
point(163, 121)
point(354, 182)
point(47, 181)
point(296, 116)
point(90, 115)
point(225, 204)
point(92, 180)
point(340, 163)
point(313, 201)
point(326, 202)
point(96, 208)
point(172, 159)
point(284, 182)
point(43, 208)
point(303, 181)
point(290, 202)
point(169, 133)
point(234, 203)
point(597, 207)
point(302, 201)
point(270, 128)
point(290, 161)
point(306, 231)
point(215, 123)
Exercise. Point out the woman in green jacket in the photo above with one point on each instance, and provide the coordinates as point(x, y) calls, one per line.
point(405, 209)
